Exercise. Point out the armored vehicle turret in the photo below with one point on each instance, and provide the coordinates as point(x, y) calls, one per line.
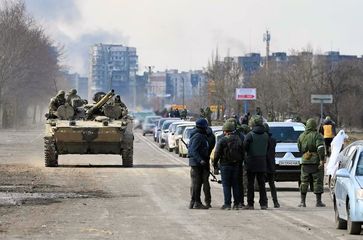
point(100, 128)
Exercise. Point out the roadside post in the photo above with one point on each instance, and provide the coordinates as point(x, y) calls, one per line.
point(245, 94)
point(321, 98)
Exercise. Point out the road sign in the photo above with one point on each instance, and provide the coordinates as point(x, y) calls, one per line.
point(315, 98)
point(245, 93)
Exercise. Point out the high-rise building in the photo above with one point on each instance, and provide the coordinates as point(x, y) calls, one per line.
point(74, 80)
point(113, 67)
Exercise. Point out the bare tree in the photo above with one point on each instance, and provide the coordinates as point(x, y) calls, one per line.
point(224, 77)
point(28, 63)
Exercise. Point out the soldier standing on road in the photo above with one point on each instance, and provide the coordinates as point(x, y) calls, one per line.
point(202, 113)
point(311, 144)
point(183, 114)
point(271, 165)
point(242, 174)
point(208, 115)
point(56, 102)
point(206, 172)
point(229, 154)
point(255, 144)
point(198, 161)
point(329, 132)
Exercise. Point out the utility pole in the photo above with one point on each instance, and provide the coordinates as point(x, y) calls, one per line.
point(183, 91)
point(267, 38)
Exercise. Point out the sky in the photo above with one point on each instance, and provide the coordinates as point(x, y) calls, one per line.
point(183, 34)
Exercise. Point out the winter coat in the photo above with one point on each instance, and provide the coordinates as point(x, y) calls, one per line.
point(229, 151)
point(198, 147)
point(255, 145)
point(271, 154)
point(211, 140)
point(311, 144)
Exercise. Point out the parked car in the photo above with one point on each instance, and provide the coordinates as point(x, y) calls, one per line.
point(164, 131)
point(183, 151)
point(184, 141)
point(288, 156)
point(170, 139)
point(218, 135)
point(139, 117)
point(348, 189)
point(179, 134)
point(157, 129)
point(149, 124)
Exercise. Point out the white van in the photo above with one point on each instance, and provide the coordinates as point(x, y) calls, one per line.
point(287, 157)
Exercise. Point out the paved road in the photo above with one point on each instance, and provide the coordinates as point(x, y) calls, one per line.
point(91, 197)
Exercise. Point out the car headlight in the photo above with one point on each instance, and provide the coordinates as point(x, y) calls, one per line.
point(360, 194)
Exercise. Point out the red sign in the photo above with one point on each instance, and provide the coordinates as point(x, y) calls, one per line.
point(245, 93)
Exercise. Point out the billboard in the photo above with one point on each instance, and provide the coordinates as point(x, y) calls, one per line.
point(245, 93)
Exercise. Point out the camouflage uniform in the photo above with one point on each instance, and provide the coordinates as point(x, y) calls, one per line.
point(55, 102)
point(183, 114)
point(118, 102)
point(208, 115)
point(202, 113)
point(72, 94)
point(311, 144)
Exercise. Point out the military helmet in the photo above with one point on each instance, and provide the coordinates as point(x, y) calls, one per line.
point(267, 127)
point(256, 120)
point(245, 128)
point(229, 126)
point(61, 92)
point(232, 120)
point(201, 123)
point(73, 91)
point(311, 124)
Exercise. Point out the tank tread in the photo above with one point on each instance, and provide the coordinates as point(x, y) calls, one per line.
point(50, 153)
point(127, 157)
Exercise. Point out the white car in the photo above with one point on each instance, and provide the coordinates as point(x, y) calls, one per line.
point(218, 135)
point(170, 136)
point(159, 124)
point(348, 189)
point(184, 141)
point(164, 131)
point(178, 135)
point(149, 124)
point(288, 156)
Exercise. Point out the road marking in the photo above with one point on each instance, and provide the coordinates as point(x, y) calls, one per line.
point(152, 145)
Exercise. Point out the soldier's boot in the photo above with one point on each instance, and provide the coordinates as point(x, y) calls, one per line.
point(303, 200)
point(199, 205)
point(276, 204)
point(319, 203)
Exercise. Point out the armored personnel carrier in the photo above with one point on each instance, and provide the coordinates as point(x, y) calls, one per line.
point(100, 128)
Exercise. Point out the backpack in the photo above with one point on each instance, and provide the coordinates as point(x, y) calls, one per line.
point(233, 151)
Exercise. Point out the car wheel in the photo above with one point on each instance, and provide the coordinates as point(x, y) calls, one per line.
point(331, 186)
point(353, 227)
point(339, 223)
point(176, 150)
point(180, 154)
point(143, 134)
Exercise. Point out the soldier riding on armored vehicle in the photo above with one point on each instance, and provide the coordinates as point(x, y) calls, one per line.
point(75, 127)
